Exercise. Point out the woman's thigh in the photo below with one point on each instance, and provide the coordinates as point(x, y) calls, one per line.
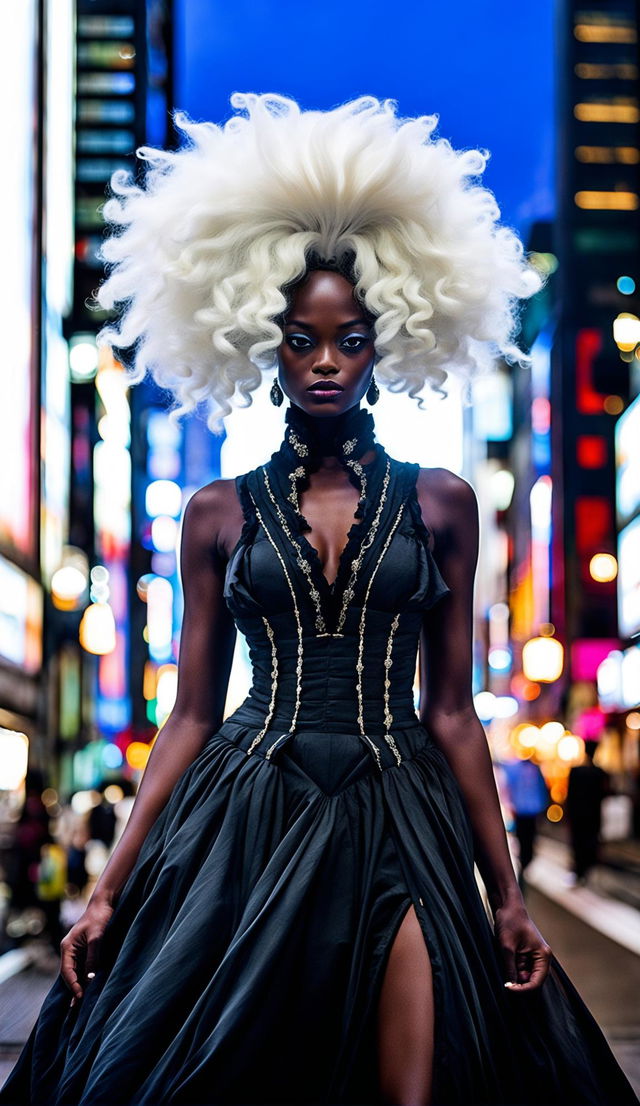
point(406, 1019)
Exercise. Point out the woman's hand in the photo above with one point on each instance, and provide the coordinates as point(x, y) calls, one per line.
point(80, 948)
point(525, 952)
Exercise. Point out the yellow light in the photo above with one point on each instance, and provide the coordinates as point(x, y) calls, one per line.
point(113, 793)
point(605, 32)
point(607, 201)
point(542, 659)
point(614, 405)
point(626, 331)
point(603, 567)
point(14, 757)
point(570, 748)
point(149, 681)
point(552, 732)
point(633, 720)
point(606, 155)
point(68, 583)
point(622, 71)
point(528, 736)
point(555, 813)
point(558, 791)
point(97, 631)
point(615, 111)
point(167, 687)
point(137, 755)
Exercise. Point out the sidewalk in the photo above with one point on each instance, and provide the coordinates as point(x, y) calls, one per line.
point(607, 904)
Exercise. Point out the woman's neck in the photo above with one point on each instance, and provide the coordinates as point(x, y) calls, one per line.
point(332, 438)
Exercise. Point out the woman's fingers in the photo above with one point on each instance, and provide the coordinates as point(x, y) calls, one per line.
point(509, 960)
point(69, 967)
point(540, 959)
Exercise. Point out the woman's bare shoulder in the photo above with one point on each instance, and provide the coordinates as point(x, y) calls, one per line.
point(213, 515)
point(446, 499)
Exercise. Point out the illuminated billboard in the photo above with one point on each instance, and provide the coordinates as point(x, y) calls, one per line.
point(629, 579)
point(20, 618)
point(628, 463)
point(17, 200)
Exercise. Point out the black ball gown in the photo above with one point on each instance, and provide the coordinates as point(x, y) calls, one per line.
point(245, 956)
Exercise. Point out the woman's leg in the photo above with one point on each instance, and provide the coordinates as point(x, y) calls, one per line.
point(405, 1019)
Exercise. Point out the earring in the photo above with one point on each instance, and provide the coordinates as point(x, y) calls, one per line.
point(373, 392)
point(276, 394)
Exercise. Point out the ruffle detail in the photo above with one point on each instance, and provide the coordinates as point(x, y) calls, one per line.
point(437, 587)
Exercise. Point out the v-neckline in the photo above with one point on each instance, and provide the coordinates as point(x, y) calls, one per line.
point(330, 596)
point(314, 556)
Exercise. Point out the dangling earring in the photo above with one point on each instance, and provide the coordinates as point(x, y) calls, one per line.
point(373, 392)
point(276, 394)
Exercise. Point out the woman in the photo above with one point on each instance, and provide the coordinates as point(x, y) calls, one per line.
point(291, 914)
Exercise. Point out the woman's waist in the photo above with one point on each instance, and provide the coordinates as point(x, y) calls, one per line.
point(340, 745)
point(326, 709)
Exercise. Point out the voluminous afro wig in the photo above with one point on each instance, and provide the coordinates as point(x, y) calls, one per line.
point(202, 255)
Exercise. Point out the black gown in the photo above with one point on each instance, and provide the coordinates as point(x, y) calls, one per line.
point(244, 959)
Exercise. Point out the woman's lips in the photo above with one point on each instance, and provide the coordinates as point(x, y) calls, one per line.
point(325, 389)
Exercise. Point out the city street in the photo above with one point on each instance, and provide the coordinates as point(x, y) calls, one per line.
point(320, 414)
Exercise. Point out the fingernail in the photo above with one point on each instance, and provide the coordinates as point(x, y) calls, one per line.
point(91, 975)
point(509, 984)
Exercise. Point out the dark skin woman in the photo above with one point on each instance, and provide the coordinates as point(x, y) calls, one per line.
point(325, 366)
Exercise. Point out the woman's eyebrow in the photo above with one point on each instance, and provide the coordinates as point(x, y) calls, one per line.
point(340, 326)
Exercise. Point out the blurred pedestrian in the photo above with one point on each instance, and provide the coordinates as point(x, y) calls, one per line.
point(31, 865)
point(588, 786)
point(528, 797)
point(102, 820)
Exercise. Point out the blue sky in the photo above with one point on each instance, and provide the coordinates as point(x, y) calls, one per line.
point(485, 68)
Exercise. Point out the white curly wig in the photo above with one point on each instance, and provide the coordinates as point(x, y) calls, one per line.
point(202, 255)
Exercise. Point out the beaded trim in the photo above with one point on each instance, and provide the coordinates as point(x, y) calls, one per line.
point(301, 561)
point(360, 663)
point(274, 666)
point(349, 590)
point(388, 717)
point(301, 448)
point(294, 476)
point(274, 686)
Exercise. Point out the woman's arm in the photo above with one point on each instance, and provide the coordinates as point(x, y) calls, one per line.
point(446, 709)
point(212, 523)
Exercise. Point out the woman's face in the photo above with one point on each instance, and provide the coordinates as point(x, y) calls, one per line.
point(326, 358)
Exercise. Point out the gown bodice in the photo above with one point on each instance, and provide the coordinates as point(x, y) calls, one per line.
point(340, 655)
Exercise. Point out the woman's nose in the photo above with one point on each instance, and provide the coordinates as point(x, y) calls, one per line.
point(325, 361)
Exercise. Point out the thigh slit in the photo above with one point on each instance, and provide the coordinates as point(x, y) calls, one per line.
point(405, 1027)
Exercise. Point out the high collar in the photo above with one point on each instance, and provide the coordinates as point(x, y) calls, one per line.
point(352, 435)
point(306, 443)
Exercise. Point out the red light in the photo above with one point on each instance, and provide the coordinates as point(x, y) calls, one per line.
point(594, 524)
point(588, 346)
point(591, 451)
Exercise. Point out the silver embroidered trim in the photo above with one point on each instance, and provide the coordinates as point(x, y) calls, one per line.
point(388, 717)
point(274, 668)
point(301, 560)
point(274, 686)
point(361, 628)
point(300, 447)
point(349, 590)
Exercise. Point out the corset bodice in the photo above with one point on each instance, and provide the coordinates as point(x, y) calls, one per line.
point(340, 656)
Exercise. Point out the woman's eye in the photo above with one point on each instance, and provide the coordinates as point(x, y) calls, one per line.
point(353, 343)
point(298, 341)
